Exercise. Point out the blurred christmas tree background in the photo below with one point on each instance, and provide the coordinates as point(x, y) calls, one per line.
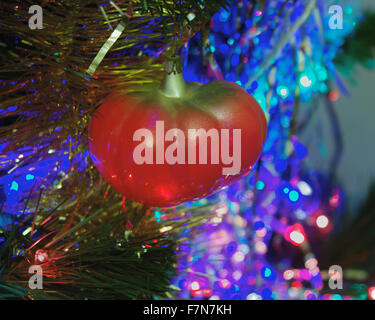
point(272, 235)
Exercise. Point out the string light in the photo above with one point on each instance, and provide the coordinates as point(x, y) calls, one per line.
point(195, 286)
point(295, 234)
point(371, 293)
point(305, 81)
point(41, 256)
point(322, 221)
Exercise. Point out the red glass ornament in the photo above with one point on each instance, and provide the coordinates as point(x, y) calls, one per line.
point(182, 105)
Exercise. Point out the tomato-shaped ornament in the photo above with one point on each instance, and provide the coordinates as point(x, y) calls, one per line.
point(181, 141)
